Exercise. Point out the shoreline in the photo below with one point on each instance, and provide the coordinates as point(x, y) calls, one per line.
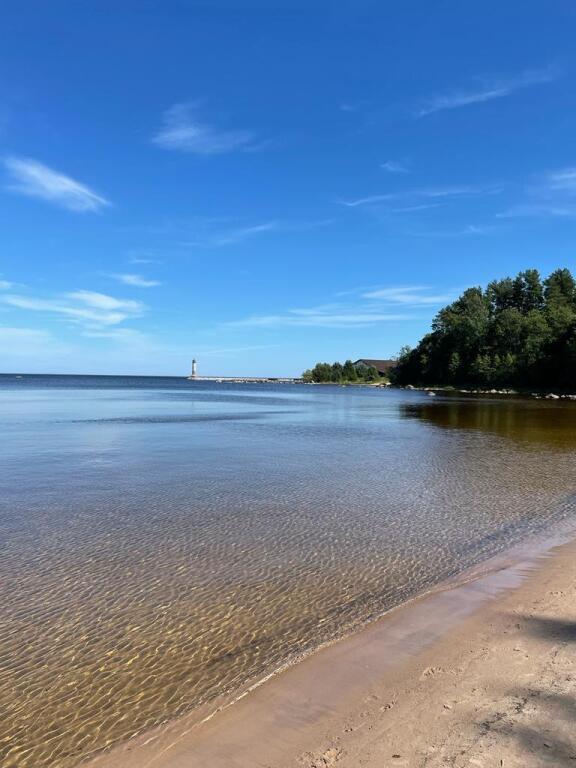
point(303, 713)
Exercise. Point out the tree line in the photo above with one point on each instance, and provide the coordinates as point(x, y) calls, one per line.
point(338, 373)
point(518, 332)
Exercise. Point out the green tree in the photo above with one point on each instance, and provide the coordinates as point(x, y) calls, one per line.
point(337, 373)
point(560, 289)
point(519, 331)
point(349, 371)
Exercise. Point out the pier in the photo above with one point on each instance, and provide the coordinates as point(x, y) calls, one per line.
point(247, 379)
point(241, 379)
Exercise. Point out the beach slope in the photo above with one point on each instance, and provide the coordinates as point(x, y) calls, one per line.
point(483, 674)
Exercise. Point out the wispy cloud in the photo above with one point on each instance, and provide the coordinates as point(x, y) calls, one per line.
point(416, 208)
point(182, 130)
point(142, 256)
point(25, 344)
point(5, 285)
point(469, 229)
point(539, 210)
point(487, 90)
point(552, 195)
point(88, 308)
point(34, 179)
point(219, 232)
point(231, 351)
point(409, 295)
point(432, 193)
point(357, 308)
point(319, 319)
point(357, 313)
point(243, 233)
point(124, 335)
point(138, 281)
point(394, 166)
point(563, 180)
point(216, 233)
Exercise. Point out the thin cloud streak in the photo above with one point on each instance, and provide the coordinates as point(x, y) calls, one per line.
point(214, 233)
point(552, 196)
point(411, 295)
point(470, 229)
point(432, 193)
point(212, 237)
point(25, 344)
point(539, 210)
point(563, 180)
point(393, 166)
point(182, 131)
point(34, 179)
point(343, 320)
point(88, 308)
point(138, 281)
point(496, 89)
point(366, 307)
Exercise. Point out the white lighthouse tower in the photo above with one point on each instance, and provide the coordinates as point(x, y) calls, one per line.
point(194, 374)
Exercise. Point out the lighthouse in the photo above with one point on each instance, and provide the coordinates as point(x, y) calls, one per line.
point(193, 376)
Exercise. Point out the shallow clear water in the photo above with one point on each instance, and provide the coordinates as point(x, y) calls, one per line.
point(165, 541)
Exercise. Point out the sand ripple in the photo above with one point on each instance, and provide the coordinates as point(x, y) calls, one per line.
point(149, 565)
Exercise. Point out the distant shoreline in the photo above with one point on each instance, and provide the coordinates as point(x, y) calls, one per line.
point(287, 380)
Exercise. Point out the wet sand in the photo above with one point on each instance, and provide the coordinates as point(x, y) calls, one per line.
point(482, 673)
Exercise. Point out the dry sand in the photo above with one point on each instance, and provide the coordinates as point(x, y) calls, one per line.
point(480, 675)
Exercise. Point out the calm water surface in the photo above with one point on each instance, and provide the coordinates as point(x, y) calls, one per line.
point(166, 541)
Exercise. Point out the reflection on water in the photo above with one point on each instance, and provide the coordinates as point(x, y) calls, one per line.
point(532, 422)
point(164, 542)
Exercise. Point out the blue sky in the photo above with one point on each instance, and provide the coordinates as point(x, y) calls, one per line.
point(267, 184)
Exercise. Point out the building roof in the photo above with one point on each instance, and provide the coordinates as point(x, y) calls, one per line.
point(382, 366)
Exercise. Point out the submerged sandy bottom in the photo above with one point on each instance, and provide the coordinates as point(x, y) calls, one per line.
point(479, 674)
point(166, 546)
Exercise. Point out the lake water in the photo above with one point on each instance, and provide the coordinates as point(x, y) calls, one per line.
point(166, 541)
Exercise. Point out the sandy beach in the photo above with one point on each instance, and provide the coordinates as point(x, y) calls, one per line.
point(480, 674)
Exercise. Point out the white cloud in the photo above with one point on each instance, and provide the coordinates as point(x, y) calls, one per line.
point(23, 344)
point(416, 208)
point(105, 302)
point(219, 232)
point(123, 335)
point(563, 180)
point(393, 166)
point(319, 320)
point(356, 314)
point(87, 308)
point(552, 195)
point(411, 295)
point(33, 179)
point(487, 91)
point(136, 280)
point(430, 193)
point(242, 233)
point(469, 229)
point(135, 259)
point(368, 200)
point(361, 308)
point(538, 210)
point(182, 131)
point(229, 352)
point(5, 285)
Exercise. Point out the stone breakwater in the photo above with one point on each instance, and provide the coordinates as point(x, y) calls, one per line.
point(513, 392)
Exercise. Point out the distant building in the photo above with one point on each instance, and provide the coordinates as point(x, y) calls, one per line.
point(382, 366)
